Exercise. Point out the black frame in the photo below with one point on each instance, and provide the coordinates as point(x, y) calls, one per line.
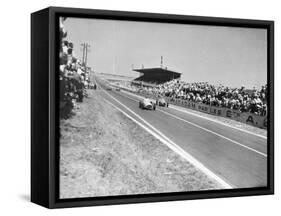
point(45, 117)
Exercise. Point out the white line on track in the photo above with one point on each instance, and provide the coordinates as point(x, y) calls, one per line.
point(203, 117)
point(210, 131)
point(213, 120)
point(157, 134)
point(219, 135)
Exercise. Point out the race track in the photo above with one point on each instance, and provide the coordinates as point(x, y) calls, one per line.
point(237, 157)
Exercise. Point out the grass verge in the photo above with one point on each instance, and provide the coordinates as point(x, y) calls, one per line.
point(103, 153)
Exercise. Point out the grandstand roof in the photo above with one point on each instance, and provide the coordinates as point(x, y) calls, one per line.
point(156, 70)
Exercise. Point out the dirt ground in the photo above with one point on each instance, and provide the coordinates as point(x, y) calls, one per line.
point(104, 153)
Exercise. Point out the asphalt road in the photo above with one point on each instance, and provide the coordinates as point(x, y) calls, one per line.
point(238, 157)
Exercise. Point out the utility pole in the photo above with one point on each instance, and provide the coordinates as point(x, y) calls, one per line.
point(85, 47)
point(83, 58)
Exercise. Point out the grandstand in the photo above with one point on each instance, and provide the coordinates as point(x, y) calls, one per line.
point(156, 75)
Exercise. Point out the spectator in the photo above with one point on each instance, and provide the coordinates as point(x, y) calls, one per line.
point(72, 76)
point(239, 99)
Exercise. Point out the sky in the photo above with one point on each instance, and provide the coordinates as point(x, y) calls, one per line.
point(230, 56)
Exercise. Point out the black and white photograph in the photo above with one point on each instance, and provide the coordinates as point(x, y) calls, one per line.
point(155, 107)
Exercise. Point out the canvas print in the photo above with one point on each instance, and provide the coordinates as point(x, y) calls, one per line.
point(151, 107)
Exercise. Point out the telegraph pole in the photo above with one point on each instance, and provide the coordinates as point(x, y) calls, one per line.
point(83, 58)
point(85, 47)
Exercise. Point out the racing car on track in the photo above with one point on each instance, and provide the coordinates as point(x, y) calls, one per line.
point(162, 102)
point(108, 88)
point(147, 103)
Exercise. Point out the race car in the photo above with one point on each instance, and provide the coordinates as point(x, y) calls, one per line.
point(162, 102)
point(147, 104)
point(108, 88)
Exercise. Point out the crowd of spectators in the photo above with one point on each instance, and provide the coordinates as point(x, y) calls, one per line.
point(244, 100)
point(73, 76)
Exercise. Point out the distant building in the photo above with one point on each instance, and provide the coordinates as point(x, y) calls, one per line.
point(156, 75)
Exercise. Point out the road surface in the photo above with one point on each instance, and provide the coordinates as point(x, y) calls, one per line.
point(237, 157)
